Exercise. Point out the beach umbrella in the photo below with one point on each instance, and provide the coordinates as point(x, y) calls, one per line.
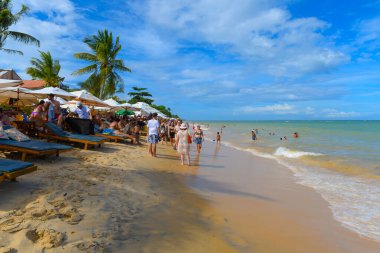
point(55, 91)
point(124, 112)
point(112, 103)
point(17, 95)
point(130, 106)
point(87, 98)
point(9, 83)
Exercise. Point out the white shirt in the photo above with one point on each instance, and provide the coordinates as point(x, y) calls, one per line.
point(83, 113)
point(153, 126)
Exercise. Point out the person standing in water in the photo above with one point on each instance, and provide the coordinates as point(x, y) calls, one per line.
point(217, 138)
point(198, 138)
point(254, 136)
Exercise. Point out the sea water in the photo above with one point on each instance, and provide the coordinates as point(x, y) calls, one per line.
point(339, 159)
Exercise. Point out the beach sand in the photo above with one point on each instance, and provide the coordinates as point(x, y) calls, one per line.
point(112, 199)
point(118, 199)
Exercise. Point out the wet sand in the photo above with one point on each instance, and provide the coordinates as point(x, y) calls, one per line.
point(267, 209)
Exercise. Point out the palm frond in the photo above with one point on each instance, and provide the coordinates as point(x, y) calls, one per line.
point(12, 51)
point(22, 37)
point(85, 70)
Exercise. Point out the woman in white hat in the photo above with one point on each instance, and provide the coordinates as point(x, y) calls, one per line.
point(182, 143)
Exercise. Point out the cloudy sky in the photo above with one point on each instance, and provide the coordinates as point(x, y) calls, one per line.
point(223, 59)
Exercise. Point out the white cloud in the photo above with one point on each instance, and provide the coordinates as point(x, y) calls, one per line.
point(263, 32)
point(333, 113)
point(276, 109)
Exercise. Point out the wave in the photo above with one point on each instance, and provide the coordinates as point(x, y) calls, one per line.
point(289, 153)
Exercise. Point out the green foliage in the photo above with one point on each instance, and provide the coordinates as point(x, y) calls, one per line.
point(140, 95)
point(46, 69)
point(104, 80)
point(7, 19)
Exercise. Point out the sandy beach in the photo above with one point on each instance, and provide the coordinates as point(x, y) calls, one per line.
point(117, 199)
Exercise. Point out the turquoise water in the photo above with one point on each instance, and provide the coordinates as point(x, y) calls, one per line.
point(339, 159)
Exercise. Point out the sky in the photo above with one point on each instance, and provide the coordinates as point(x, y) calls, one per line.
point(224, 60)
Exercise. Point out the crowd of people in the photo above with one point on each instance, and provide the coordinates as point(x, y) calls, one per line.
point(172, 132)
point(175, 132)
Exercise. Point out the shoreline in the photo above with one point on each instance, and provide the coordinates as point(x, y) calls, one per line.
point(291, 216)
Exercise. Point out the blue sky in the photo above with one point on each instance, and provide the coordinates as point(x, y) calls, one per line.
point(243, 59)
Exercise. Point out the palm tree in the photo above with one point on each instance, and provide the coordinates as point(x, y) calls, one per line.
point(46, 69)
point(104, 80)
point(140, 95)
point(7, 19)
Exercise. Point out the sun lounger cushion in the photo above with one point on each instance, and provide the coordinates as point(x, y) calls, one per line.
point(10, 166)
point(59, 132)
point(35, 145)
point(56, 129)
point(16, 135)
point(86, 137)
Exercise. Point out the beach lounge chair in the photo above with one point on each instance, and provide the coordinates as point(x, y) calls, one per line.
point(11, 169)
point(56, 133)
point(115, 138)
point(33, 147)
point(1, 176)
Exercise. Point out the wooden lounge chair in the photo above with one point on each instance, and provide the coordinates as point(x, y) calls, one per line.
point(56, 133)
point(11, 169)
point(116, 138)
point(33, 147)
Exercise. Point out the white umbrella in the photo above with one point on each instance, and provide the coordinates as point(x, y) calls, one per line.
point(130, 106)
point(25, 95)
point(9, 83)
point(55, 91)
point(87, 98)
point(112, 103)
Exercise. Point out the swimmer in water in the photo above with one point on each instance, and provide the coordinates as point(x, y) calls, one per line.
point(295, 135)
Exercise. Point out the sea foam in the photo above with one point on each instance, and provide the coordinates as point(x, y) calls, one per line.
point(289, 153)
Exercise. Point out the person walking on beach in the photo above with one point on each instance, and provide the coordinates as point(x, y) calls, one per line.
point(198, 138)
point(217, 138)
point(152, 134)
point(163, 133)
point(182, 143)
point(171, 130)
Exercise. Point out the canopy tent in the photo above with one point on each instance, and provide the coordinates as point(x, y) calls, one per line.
point(87, 98)
point(16, 95)
point(55, 91)
point(9, 83)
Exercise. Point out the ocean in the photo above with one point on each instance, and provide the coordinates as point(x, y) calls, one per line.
point(339, 159)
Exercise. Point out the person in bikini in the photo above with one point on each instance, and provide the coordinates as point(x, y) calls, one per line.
point(198, 138)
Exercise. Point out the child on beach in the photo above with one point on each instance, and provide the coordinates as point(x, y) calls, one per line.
point(218, 138)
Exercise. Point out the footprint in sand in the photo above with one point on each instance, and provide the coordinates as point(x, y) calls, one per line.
point(91, 246)
point(7, 250)
point(47, 238)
